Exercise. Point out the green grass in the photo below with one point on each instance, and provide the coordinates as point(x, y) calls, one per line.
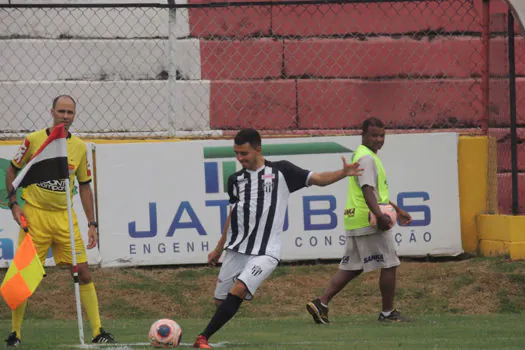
point(467, 304)
point(502, 331)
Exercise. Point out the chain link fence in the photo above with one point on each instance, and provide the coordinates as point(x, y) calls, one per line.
point(113, 61)
point(207, 69)
point(500, 113)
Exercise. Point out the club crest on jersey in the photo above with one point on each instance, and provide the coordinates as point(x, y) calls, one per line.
point(268, 186)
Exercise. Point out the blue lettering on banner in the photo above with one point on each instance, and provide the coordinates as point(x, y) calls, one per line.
point(132, 226)
point(153, 248)
point(416, 211)
point(413, 237)
point(184, 207)
point(314, 241)
point(319, 214)
point(223, 209)
point(193, 223)
point(7, 247)
point(328, 214)
point(286, 221)
point(398, 237)
point(411, 209)
point(308, 213)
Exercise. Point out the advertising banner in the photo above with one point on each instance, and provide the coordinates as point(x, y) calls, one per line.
point(166, 202)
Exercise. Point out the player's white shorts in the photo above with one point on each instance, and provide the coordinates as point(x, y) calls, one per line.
point(252, 270)
point(370, 252)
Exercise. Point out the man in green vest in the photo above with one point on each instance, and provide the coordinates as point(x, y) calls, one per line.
point(367, 247)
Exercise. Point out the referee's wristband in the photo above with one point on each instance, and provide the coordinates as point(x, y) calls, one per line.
point(93, 223)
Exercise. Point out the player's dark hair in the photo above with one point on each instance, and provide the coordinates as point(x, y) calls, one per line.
point(372, 121)
point(250, 136)
point(60, 96)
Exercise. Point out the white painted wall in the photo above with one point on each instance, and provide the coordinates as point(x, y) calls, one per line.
point(112, 60)
point(102, 107)
point(35, 59)
point(191, 101)
point(84, 23)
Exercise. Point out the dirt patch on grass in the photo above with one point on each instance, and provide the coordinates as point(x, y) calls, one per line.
point(475, 286)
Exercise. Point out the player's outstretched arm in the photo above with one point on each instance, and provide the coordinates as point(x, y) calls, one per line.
point(329, 177)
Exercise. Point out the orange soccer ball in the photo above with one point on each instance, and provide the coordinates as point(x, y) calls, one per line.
point(385, 209)
point(165, 333)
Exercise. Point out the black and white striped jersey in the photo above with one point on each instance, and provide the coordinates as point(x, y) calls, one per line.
point(259, 200)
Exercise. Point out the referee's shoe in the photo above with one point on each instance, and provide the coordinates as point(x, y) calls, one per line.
point(318, 311)
point(12, 341)
point(104, 338)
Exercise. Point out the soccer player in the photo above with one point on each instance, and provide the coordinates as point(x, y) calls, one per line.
point(46, 212)
point(252, 234)
point(367, 247)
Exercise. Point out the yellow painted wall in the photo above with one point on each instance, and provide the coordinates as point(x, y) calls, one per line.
point(483, 230)
point(477, 185)
point(502, 235)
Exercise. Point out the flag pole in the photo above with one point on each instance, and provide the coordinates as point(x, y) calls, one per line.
point(74, 260)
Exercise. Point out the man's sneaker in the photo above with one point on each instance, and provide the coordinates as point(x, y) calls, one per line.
point(104, 338)
point(318, 311)
point(395, 316)
point(12, 341)
point(201, 343)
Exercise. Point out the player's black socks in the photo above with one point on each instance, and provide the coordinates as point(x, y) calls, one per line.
point(224, 313)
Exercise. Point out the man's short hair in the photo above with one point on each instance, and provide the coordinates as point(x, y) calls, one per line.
point(55, 101)
point(250, 136)
point(372, 121)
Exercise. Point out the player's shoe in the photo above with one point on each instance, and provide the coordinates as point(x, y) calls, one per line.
point(395, 316)
point(318, 311)
point(104, 338)
point(12, 341)
point(201, 343)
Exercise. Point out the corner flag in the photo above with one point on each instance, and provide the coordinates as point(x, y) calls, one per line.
point(26, 270)
point(23, 276)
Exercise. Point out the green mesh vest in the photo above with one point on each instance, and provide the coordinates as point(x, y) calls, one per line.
point(356, 210)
